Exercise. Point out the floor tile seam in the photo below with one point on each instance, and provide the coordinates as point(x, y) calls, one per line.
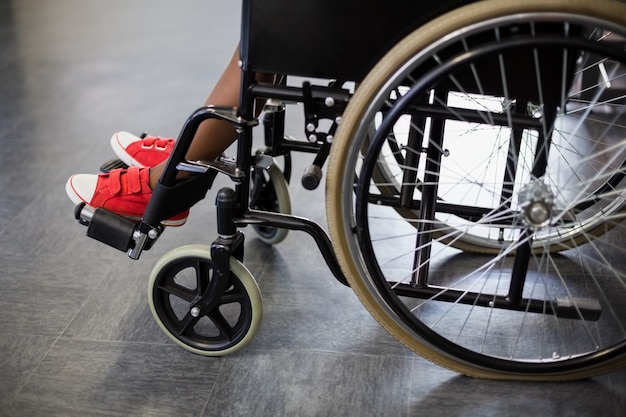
point(3, 229)
point(51, 255)
point(3, 252)
point(113, 341)
point(257, 269)
point(61, 337)
point(213, 386)
point(263, 266)
point(86, 300)
point(36, 368)
point(412, 382)
point(331, 352)
point(28, 335)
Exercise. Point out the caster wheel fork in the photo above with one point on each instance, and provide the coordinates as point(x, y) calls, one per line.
point(269, 192)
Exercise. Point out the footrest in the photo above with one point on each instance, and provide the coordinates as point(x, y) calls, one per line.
point(116, 231)
point(112, 164)
point(225, 165)
point(106, 227)
point(167, 201)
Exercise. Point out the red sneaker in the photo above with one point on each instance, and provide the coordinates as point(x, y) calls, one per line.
point(123, 192)
point(145, 152)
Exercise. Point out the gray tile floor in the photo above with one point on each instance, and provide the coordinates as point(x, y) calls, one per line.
point(76, 334)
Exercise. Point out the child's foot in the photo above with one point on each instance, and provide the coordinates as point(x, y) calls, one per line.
point(148, 151)
point(124, 192)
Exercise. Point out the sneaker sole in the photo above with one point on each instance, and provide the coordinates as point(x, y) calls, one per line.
point(122, 154)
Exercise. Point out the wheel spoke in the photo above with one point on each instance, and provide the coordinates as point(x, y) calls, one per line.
point(186, 325)
point(178, 291)
point(220, 322)
point(230, 297)
point(495, 246)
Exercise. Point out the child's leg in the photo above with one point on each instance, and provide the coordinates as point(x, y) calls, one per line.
point(213, 136)
point(127, 192)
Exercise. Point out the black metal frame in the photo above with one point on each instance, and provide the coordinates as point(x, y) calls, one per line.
point(419, 287)
point(233, 209)
point(260, 23)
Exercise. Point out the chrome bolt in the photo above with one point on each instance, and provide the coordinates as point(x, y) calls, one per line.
point(538, 213)
point(329, 101)
point(195, 312)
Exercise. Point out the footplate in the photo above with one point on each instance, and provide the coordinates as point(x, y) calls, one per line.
point(225, 165)
point(119, 232)
point(112, 164)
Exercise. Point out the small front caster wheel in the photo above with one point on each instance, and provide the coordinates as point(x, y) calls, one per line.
point(269, 192)
point(178, 281)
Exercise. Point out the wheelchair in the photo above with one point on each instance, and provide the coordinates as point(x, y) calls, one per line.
point(476, 154)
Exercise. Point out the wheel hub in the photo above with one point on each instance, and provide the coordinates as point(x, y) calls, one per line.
point(536, 201)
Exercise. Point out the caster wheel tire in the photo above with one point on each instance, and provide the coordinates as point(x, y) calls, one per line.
point(179, 279)
point(270, 192)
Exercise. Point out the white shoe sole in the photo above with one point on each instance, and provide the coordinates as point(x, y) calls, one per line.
point(119, 143)
point(77, 199)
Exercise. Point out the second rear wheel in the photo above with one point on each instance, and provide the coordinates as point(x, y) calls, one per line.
point(511, 128)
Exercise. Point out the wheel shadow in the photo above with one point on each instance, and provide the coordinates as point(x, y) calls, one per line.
point(464, 396)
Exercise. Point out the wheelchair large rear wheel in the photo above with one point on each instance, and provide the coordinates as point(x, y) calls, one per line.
point(501, 126)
